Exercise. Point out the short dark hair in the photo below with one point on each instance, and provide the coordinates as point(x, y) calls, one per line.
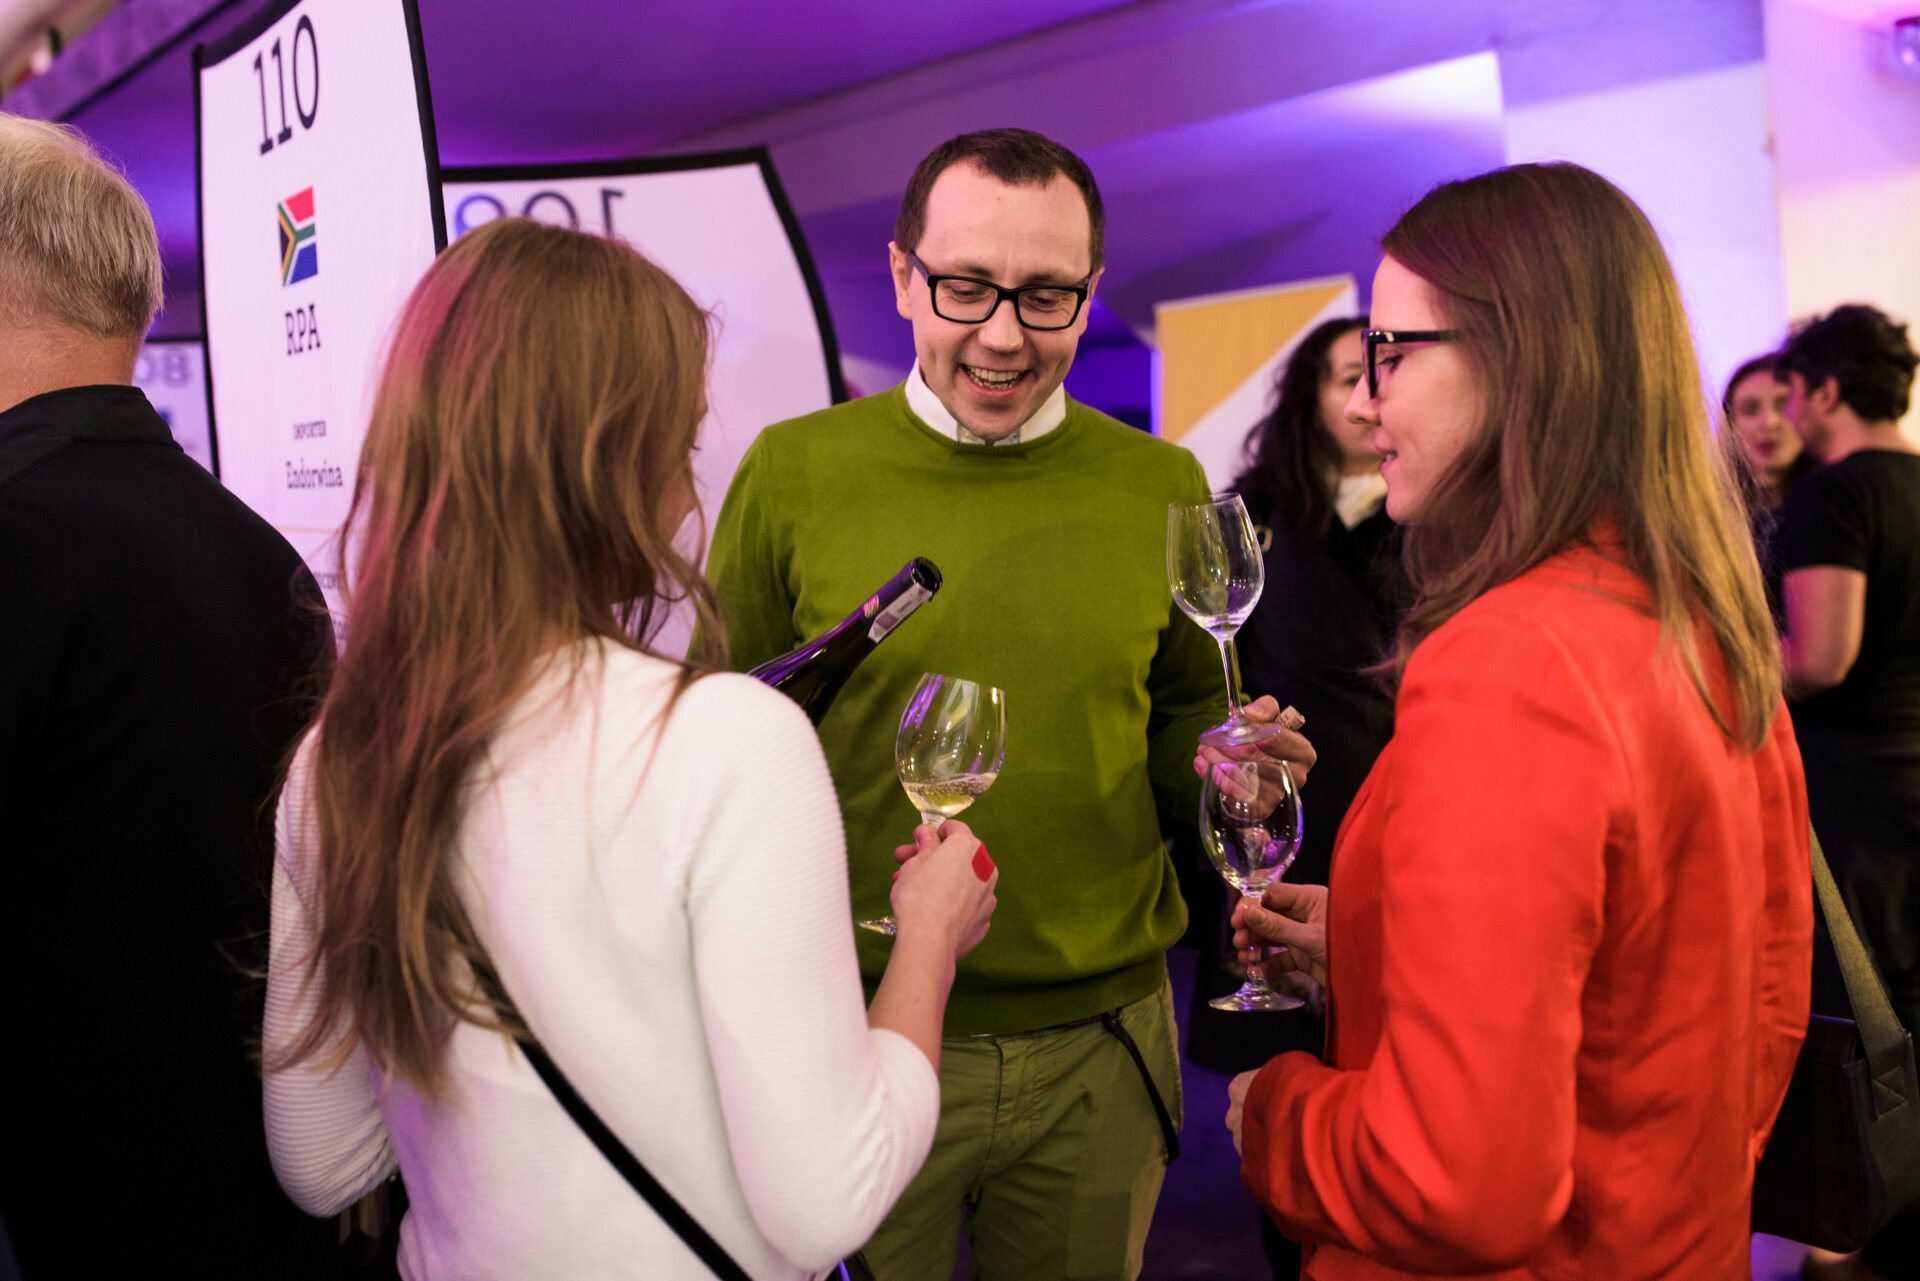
point(1017, 157)
point(1864, 351)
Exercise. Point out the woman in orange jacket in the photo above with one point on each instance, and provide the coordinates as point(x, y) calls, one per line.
point(1567, 937)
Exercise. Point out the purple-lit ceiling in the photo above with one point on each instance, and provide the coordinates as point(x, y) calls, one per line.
point(1239, 142)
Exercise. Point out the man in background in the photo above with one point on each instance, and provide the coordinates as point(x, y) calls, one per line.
point(156, 642)
point(1849, 542)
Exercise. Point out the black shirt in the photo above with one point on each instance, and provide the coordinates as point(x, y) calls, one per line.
point(1863, 513)
point(1325, 617)
point(156, 637)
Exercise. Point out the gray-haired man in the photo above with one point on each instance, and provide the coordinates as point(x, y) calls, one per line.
point(153, 640)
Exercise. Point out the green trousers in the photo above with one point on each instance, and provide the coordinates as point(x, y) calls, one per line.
point(1049, 1155)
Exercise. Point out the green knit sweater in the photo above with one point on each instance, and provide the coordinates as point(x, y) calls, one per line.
point(1053, 552)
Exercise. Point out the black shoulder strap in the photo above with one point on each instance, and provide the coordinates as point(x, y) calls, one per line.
point(1884, 1040)
point(711, 1253)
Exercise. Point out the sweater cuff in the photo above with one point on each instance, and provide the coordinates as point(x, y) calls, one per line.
point(916, 1089)
point(1270, 1142)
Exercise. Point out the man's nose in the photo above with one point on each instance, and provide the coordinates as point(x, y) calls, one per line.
point(1002, 330)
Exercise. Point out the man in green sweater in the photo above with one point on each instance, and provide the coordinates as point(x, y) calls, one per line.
point(1060, 1081)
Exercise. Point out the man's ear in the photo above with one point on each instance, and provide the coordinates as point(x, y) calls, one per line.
point(1826, 396)
point(902, 273)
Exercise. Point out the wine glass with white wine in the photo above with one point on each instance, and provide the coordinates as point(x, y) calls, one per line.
point(953, 737)
point(1251, 824)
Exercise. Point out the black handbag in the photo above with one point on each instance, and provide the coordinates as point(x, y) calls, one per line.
point(697, 1239)
point(1844, 1158)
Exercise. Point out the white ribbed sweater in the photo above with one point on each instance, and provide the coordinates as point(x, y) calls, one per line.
point(674, 924)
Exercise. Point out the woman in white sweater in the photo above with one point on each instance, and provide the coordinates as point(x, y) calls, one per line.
point(649, 856)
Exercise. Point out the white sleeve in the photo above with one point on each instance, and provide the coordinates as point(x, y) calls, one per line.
point(826, 1118)
point(324, 1129)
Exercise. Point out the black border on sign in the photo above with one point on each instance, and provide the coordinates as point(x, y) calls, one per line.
point(429, 133)
point(242, 35)
point(761, 156)
point(217, 52)
point(200, 258)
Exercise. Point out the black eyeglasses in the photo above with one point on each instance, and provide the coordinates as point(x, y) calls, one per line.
point(1371, 339)
point(967, 300)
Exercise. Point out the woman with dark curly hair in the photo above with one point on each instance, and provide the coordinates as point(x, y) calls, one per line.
point(1325, 618)
point(1313, 481)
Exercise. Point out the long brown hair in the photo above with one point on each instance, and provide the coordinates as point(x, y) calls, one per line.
point(529, 450)
point(1567, 309)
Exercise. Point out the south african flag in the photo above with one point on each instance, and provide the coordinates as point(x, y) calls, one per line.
point(299, 256)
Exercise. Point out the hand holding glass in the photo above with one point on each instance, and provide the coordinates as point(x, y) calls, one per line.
point(1216, 573)
point(1250, 822)
point(953, 737)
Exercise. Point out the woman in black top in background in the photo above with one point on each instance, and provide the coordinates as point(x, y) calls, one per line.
point(1313, 482)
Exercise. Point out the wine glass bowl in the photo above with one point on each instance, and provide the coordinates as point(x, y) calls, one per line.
point(1251, 824)
point(948, 752)
point(1216, 575)
point(1213, 563)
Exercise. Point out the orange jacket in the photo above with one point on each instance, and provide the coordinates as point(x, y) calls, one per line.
point(1570, 931)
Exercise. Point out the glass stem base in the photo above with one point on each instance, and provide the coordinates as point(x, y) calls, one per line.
point(1254, 998)
point(1240, 733)
point(1255, 995)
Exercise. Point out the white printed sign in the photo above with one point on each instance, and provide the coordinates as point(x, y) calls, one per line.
point(318, 213)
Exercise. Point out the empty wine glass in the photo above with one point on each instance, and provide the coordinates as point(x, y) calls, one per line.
point(1251, 824)
point(1216, 574)
point(953, 737)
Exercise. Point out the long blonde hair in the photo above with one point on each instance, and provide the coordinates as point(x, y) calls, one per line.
point(529, 448)
point(1566, 307)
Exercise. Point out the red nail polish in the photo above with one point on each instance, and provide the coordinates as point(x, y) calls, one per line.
point(983, 863)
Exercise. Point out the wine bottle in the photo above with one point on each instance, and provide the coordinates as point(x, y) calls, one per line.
point(813, 674)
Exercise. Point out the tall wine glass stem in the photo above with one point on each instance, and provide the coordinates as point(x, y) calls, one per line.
point(1256, 980)
point(886, 924)
point(1230, 660)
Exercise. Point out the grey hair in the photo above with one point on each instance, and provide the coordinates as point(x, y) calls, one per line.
point(77, 245)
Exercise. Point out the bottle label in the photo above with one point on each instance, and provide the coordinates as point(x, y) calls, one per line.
point(893, 615)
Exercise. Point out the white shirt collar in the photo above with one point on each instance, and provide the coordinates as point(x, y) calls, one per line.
point(1358, 497)
point(928, 409)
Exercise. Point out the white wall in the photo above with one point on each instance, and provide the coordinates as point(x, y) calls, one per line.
point(1847, 140)
point(1693, 152)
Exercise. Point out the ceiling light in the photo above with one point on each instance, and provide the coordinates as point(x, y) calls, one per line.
point(1906, 45)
